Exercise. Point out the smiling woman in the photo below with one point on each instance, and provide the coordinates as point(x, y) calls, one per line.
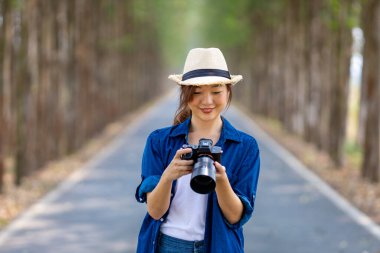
point(194, 93)
point(180, 218)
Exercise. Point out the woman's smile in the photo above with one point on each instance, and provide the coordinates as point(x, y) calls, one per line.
point(206, 110)
point(208, 102)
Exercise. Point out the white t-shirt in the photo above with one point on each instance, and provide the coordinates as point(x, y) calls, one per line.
point(187, 215)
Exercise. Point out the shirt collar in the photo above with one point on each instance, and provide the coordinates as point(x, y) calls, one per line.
point(228, 131)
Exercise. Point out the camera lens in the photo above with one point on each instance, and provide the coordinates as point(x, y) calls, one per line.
point(203, 176)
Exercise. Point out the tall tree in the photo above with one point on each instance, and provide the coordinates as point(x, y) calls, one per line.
point(66, 73)
point(371, 89)
point(2, 129)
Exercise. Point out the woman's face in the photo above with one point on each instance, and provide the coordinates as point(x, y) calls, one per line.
point(208, 102)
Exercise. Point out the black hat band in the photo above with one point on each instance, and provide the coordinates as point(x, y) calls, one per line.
point(206, 72)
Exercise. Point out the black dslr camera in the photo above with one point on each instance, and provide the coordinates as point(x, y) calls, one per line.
point(204, 155)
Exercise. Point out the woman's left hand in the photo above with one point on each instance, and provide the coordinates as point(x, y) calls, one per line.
point(229, 202)
point(220, 172)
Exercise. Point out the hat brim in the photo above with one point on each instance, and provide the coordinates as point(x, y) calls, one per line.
point(206, 80)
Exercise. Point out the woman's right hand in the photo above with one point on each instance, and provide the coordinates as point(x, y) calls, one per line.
point(158, 200)
point(178, 167)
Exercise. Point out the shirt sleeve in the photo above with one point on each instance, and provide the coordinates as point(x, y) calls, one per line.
point(245, 184)
point(151, 168)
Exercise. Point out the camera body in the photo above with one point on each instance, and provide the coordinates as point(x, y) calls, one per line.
point(203, 177)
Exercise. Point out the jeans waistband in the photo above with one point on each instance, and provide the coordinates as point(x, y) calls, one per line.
point(166, 239)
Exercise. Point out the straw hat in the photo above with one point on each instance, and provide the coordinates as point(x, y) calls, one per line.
point(205, 66)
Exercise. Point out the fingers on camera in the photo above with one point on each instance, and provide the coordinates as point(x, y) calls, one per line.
point(182, 151)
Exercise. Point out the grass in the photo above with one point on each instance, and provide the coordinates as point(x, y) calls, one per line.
point(353, 153)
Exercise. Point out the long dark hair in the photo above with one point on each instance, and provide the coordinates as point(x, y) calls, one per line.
point(187, 92)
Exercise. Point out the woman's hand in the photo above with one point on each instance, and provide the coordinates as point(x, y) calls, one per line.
point(178, 167)
point(230, 204)
point(158, 200)
point(221, 174)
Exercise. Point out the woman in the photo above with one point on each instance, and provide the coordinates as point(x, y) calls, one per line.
point(179, 219)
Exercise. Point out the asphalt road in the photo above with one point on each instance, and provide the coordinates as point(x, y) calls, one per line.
point(95, 211)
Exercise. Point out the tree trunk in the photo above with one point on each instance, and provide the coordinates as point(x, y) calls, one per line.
point(371, 83)
point(7, 74)
point(340, 77)
point(32, 15)
point(312, 121)
point(2, 122)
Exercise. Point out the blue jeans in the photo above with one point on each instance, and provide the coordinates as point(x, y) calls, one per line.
point(168, 244)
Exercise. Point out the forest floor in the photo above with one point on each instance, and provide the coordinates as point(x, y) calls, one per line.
point(345, 180)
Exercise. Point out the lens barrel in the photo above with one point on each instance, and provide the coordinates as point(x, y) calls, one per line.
point(203, 179)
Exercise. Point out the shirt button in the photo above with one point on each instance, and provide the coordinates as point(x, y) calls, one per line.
point(162, 219)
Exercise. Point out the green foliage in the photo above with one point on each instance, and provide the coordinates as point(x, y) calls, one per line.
point(124, 44)
point(17, 4)
point(353, 152)
point(339, 13)
point(110, 8)
point(354, 15)
point(230, 25)
point(269, 13)
point(173, 26)
point(141, 10)
point(225, 24)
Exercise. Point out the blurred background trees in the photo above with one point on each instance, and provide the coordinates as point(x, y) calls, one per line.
point(67, 68)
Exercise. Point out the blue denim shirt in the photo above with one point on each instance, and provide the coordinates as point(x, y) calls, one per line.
point(242, 162)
